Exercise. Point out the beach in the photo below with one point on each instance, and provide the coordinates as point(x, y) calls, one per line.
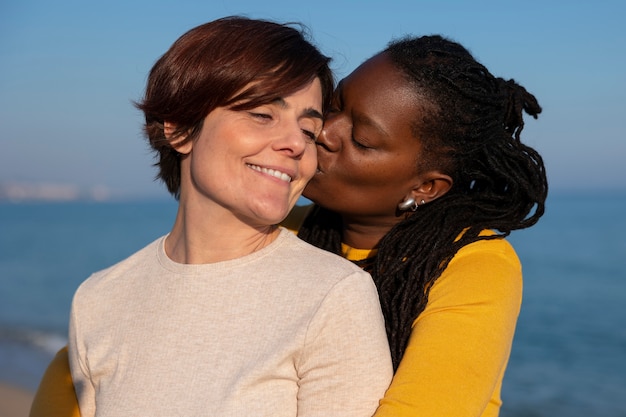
point(14, 402)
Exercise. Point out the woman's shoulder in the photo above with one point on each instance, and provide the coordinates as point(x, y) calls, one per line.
point(491, 247)
point(486, 268)
point(119, 270)
point(304, 253)
point(310, 267)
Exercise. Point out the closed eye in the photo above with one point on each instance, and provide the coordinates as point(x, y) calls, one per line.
point(263, 116)
point(359, 145)
point(309, 135)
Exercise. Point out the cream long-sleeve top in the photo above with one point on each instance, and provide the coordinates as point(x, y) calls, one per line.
point(290, 330)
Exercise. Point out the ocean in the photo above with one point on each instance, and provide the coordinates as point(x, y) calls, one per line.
point(569, 352)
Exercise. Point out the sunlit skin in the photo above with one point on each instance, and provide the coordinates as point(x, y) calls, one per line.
point(242, 175)
point(368, 154)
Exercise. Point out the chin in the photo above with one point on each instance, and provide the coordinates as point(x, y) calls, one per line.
point(272, 216)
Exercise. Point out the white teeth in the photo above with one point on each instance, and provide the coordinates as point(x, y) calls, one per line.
point(272, 172)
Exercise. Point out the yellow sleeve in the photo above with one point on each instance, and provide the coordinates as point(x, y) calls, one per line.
point(55, 396)
point(460, 345)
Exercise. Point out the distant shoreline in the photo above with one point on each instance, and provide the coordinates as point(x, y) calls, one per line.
point(48, 192)
point(23, 192)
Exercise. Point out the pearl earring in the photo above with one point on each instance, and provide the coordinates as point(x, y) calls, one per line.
point(408, 204)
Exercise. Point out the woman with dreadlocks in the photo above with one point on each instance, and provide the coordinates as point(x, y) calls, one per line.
point(421, 176)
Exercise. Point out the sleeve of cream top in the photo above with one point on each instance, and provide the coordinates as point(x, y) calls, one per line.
point(83, 386)
point(346, 365)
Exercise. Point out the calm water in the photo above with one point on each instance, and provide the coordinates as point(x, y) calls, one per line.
point(569, 353)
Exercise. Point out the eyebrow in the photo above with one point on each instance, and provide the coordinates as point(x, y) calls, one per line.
point(308, 112)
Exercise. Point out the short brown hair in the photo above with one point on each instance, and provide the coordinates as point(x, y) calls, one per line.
point(232, 62)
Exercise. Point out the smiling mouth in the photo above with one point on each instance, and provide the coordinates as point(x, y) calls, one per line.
point(274, 173)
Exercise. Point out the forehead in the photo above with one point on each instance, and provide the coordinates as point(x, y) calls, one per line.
point(257, 93)
point(379, 76)
point(381, 92)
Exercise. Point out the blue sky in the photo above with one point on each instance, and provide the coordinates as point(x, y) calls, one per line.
point(70, 69)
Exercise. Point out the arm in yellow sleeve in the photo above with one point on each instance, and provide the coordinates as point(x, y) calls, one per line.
point(55, 396)
point(460, 344)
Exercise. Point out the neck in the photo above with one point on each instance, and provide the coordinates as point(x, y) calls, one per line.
point(200, 238)
point(366, 233)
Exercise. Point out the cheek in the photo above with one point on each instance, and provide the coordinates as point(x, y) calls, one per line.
point(362, 171)
point(308, 163)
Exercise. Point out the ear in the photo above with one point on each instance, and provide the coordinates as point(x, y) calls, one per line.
point(431, 186)
point(180, 143)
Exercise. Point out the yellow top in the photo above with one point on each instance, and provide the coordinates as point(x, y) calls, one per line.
point(460, 344)
point(55, 395)
point(457, 353)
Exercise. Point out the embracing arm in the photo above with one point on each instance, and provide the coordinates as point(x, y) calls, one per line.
point(55, 395)
point(460, 344)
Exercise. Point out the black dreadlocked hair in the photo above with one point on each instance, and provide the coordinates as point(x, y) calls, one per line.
point(472, 133)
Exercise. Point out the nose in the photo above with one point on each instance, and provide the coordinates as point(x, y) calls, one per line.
point(291, 140)
point(330, 138)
